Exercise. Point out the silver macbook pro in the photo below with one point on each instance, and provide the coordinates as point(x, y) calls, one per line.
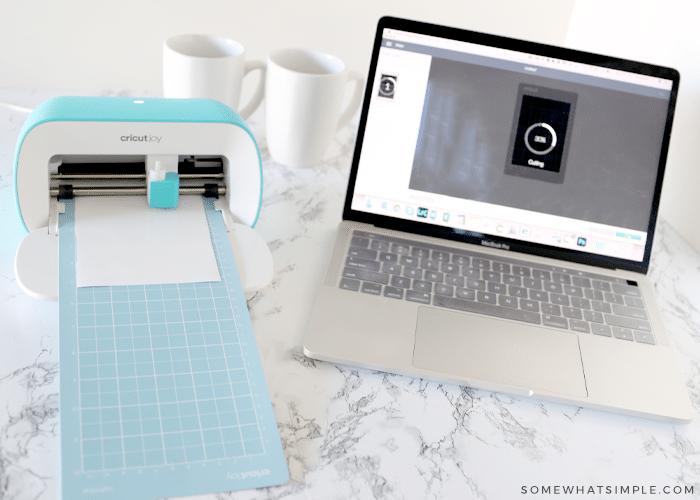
point(499, 220)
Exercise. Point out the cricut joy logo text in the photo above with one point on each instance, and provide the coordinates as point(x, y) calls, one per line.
point(141, 138)
point(245, 475)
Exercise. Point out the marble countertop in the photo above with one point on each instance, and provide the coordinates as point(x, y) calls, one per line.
point(350, 433)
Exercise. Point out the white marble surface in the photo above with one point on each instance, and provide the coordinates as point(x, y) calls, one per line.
point(351, 433)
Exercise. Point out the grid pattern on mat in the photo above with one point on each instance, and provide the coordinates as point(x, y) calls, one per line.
point(162, 378)
point(162, 388)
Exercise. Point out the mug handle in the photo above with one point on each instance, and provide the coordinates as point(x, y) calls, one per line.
point(356, 99)
point(259, 93)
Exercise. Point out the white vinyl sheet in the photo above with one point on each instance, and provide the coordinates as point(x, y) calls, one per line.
point(120, 240)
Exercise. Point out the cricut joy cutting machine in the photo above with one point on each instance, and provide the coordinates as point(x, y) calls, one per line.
point(170, 184)
point(157, 148)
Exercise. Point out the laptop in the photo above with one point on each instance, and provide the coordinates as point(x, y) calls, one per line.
point(499, 220)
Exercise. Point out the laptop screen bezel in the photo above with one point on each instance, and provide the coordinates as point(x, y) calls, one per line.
point(415, 227)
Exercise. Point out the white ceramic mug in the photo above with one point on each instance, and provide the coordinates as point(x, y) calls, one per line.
point(303, 100)
point(196, 66)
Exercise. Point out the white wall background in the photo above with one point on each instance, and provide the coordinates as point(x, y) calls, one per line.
point(87, 44)
point(94, 46)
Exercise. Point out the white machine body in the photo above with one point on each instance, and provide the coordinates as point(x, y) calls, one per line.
point(47, 144)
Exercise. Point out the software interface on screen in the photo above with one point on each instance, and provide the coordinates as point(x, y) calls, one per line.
point(505, 143)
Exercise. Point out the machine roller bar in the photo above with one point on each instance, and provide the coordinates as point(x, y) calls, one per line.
point(111, 191)
point(71, 177)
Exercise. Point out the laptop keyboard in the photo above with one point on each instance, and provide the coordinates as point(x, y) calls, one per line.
point(506, 288)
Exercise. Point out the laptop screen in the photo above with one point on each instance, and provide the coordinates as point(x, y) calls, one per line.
point(517, 145)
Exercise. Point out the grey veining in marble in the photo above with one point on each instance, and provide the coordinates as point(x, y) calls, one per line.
point(351, 433)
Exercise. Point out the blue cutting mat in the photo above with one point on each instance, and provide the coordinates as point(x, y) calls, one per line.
point(162, 388)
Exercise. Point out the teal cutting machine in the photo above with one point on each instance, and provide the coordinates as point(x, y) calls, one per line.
point(157, 148)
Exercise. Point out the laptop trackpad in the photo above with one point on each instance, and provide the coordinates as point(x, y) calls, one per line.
point(498, 352)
